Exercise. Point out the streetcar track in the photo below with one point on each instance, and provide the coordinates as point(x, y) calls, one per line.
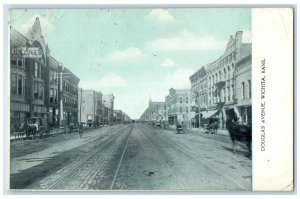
point(160, 154)
point(193, 157)
point(121, 159)
point(108, 142)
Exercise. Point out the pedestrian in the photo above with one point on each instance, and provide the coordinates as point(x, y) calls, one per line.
point(80, 129)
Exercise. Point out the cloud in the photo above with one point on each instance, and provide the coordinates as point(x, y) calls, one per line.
point(179, 79)
point(168, 63)
point(161, 15)
point(127, 54)
point(110, 80)
point(46, 24)
point(247, 36)
point(187, 41)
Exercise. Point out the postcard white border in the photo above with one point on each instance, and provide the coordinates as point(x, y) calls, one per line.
point(272, 46)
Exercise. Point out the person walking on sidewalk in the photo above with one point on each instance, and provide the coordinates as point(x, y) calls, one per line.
point(80, 129)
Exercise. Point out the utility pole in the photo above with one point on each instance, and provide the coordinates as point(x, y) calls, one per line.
point(199, 109)
point(61, 98)
point(80, 104)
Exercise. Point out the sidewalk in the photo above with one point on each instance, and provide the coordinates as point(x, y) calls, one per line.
point(52, 132)
point(201, 130)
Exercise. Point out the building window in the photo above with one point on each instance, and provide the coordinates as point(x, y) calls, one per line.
point(55, 96)
point(20, 62)
point(13, 62)
point(249, 82)
point(187, 100)
point(40, 70)
point(228, 93)
point(13, 83)
point(20, 85)
point(243, 90)
point(232, 92)
point(36, 68)
point(180, 109)
point(51, 94)
point(35, 90)
point(187, 109)
point(40, 91)
point(180, 100)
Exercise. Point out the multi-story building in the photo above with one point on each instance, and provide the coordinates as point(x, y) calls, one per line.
point(90, 107)
point(178, 104)
point(155, 111)
point(221, 79)
point(53, 91)
point(118, 116)
point(34, 84)
point(28, 59)
point(219, 88)
point(108, 108)
point(69, 95)
point(243, 85)
point(199, 94)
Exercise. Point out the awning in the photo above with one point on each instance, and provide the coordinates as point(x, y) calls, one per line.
point(209, 114)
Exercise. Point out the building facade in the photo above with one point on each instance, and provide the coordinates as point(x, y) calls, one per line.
point(34, 88)
point(53, 91)
point(155, 111)
point(225, 78)
point(28, 75)
point(178, 105)
point(243, 84)
point(69, 96)
point(108, 108)
point(90, 107)
point(199, 95)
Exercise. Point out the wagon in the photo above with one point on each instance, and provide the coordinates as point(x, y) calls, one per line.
point(211, 125)
point(40, 124)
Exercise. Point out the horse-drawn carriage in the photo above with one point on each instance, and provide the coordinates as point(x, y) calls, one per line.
point(210, 125)
point(31, 127)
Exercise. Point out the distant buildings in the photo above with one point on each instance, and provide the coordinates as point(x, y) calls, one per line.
point(220, 89)
point(155, 111)
point(178, 104)
point(120, 117)
point(90, 107)
point(108, 108)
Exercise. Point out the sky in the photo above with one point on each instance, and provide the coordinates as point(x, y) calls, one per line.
point(136, 54)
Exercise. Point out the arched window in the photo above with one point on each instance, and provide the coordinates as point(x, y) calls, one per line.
point(249, 86)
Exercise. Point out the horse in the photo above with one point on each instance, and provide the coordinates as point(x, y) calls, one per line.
point(30, 130)
point(239, 132)
point(18, 130)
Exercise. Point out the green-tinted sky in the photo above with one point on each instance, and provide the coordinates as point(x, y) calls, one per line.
point(135, 53)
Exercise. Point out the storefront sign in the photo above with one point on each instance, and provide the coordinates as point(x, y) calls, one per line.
point(26, 52)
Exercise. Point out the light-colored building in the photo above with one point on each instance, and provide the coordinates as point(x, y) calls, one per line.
point(178, 104)
point(217, 90)
point(90, 107)
point(243, 85)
